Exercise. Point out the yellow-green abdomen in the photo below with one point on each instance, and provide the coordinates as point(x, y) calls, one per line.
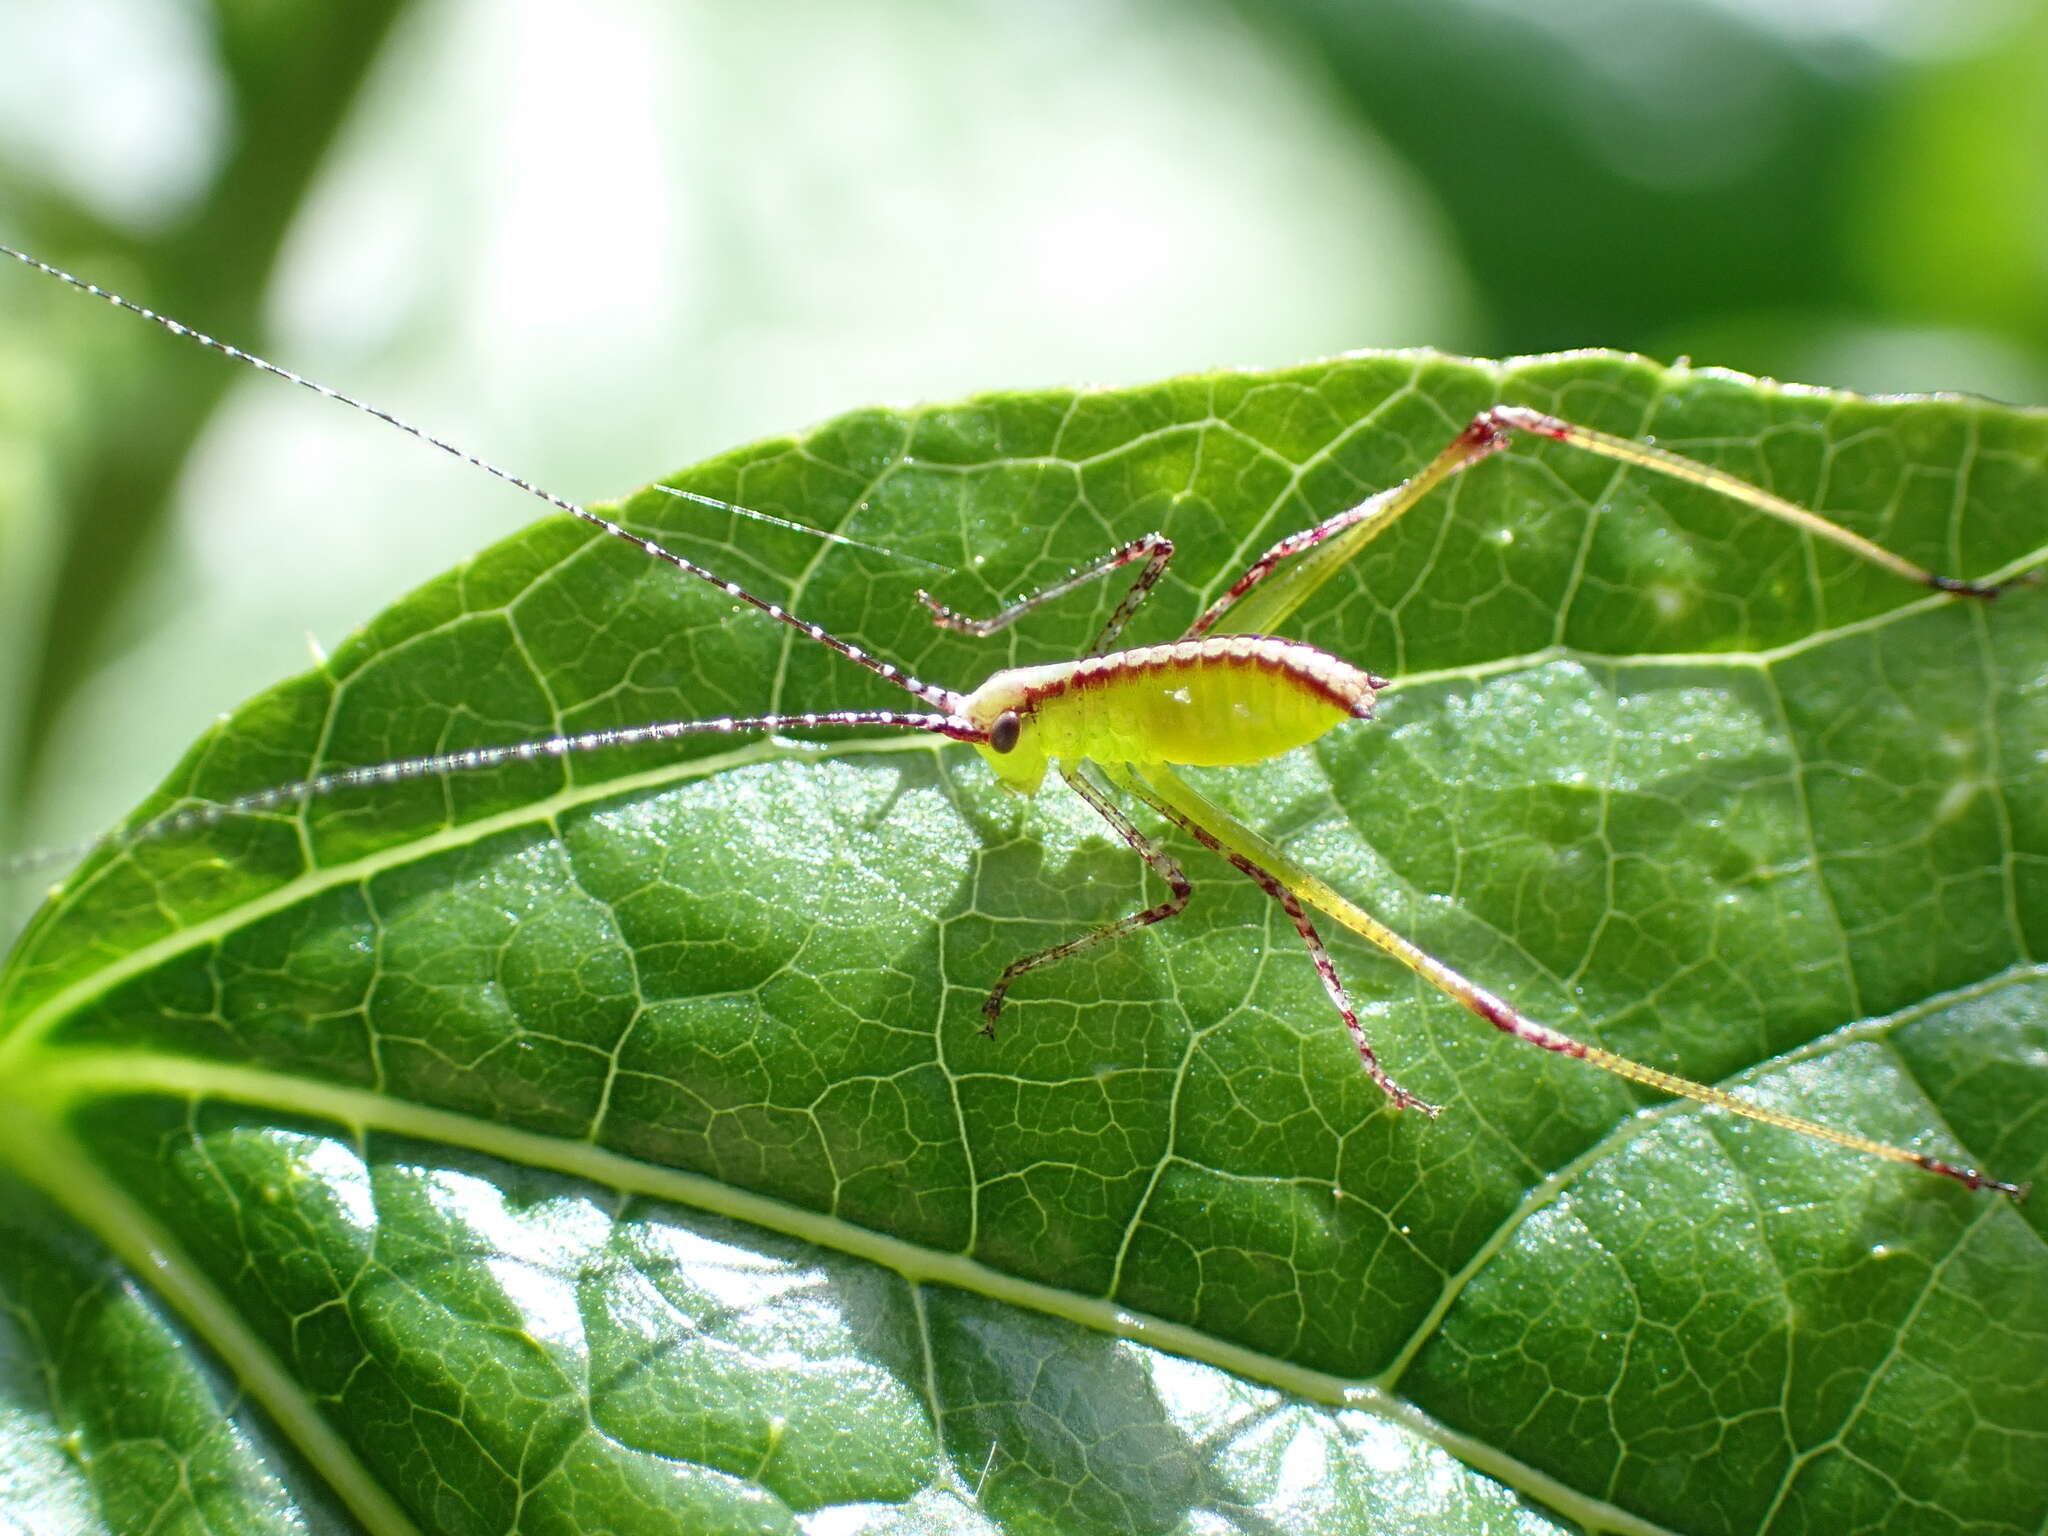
point(1211, 702)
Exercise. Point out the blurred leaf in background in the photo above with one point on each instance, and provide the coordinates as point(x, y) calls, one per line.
point(1851, 193)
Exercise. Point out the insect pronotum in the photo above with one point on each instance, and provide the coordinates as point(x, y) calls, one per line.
point(1125, 720)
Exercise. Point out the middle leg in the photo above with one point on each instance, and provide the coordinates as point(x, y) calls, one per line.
point(1162, 863)
point(1291, 905)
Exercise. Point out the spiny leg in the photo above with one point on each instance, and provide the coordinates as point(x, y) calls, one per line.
point(1664, 462)
point(1162, 863)
point(1155, 549)
point(1325, 967)
point(1321, 552)
point(1175, 797)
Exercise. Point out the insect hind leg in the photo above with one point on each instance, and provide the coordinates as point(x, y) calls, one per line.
point(1162, 863)
point(1505, 419)
point(1283, 578)
point(1216, 828)
point(1272, 885)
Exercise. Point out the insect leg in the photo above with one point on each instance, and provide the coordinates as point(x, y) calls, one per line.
point(1322, 550)
point(1180, 800)
point(1155, 549)
point(1163, 865)
point(1318, 553)
point(1291, 905)
point(1515, 418)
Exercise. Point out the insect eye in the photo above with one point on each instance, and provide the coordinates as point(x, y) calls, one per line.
point(1002, 736)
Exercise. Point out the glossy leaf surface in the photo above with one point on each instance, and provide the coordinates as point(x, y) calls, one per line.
point(611, 1144)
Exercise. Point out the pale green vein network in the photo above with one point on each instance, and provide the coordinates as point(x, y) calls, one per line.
point(51, 1074)
point(78, 1076)
point(75, 1182)
point(548, 810)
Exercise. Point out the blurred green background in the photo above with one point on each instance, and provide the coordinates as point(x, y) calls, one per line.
point(599, 242)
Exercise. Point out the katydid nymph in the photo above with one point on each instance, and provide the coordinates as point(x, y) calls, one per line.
point(1116, 725)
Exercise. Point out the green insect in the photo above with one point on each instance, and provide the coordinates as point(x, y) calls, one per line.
point(1120, 722)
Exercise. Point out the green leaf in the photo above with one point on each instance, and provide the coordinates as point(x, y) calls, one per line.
point(609, 1144)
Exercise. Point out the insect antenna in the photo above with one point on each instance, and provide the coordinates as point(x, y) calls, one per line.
point(944, 719)
point(944, 700)
point(195, 818)
point(827, 534)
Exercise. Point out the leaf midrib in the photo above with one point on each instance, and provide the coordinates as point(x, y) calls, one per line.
point(74, 1076)
point(69, 1176)
point(37, 1141)
point(53, 1080)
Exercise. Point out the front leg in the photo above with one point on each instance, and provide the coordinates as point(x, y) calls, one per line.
point(1163, 864)
point(1155, 549)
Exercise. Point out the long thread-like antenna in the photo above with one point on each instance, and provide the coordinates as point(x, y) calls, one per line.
point(828, 535)
point(942, 699)
point(195, 818)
